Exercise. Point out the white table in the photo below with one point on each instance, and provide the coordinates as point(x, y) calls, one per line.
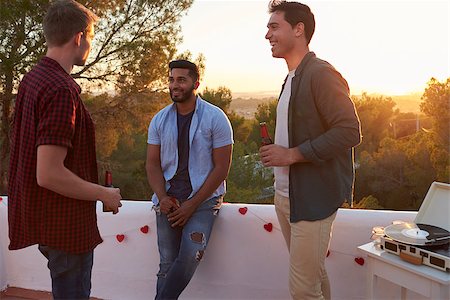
point(424, 280)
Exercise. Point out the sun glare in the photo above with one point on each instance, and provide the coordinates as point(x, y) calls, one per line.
point(389, 47)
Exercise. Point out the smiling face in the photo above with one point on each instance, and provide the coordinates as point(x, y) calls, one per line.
point(281, 35)
point(181, 85)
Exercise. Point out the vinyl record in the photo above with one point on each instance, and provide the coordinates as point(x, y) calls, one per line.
point(417, 234)
point(438, 235)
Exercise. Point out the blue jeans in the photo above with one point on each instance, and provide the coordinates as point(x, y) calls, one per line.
point(182, 248)
point(70, 273)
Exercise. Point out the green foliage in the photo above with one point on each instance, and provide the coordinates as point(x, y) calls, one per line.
point(220, 97)
point(135, 40)
point(398, 174)
point(21, 44)
point(436, 104)
point(128, 166)
point(241, 127)
point(405, 124)
point(121, 124)
point(248, 178)
point(21, 38)
point(266, 112)
point(376, 114)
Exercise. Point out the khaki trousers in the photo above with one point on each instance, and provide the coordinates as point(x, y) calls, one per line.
point(307, 242)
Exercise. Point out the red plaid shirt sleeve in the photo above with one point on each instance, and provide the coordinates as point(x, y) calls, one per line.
point(57, 116)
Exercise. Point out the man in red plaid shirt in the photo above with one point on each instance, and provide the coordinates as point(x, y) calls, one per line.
point(53, 169)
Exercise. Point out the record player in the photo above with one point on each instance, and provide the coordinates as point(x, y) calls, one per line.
point(427, 240)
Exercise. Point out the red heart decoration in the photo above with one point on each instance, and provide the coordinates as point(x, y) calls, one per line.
point(243, 210)
point(1, 199)
point(268, 227)
point(328, 253)
point(144, 229)
point(120, 237)
point(359, 261)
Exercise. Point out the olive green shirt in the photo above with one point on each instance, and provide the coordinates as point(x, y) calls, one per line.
point(323, 124)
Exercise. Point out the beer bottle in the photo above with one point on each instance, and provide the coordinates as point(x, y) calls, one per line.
point(108, 183)
point(265, 137)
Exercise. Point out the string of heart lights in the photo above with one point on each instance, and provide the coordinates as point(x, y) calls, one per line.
point(267, 226)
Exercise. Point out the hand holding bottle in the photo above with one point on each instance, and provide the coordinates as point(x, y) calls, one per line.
point(265, 137)
point(111, 201)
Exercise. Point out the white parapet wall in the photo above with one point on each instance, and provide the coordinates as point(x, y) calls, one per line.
point(242, 261)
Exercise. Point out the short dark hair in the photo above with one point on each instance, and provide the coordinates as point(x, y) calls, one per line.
point(185, 64)
point(295, 12)
point(64, 19)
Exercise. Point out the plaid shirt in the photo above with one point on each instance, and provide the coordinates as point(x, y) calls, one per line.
point(49, 111)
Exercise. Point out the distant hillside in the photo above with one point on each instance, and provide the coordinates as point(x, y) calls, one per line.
point(245, 104)
point(246, 107)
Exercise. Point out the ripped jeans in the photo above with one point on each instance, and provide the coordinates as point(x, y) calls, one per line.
point(182, 248)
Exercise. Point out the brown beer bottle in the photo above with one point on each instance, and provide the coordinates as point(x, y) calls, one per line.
point(108, 183)
point(265, 137)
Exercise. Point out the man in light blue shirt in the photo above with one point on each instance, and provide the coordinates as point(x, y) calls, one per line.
point(188, 159)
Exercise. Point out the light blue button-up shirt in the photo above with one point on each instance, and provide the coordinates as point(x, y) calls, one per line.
point(210, 129)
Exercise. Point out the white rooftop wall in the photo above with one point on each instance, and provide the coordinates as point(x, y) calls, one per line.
point(242, 261)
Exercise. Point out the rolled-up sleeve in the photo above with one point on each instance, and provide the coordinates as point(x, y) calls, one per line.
point(223, 132)
point(153, 137)
point(57, 118)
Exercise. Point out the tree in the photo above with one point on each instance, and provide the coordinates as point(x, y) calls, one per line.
point(248, 177)
point(376, 114)
point(21, 43)
point(135, 39)
point(266, 112)
point(121, 123)
point(398, 174)
point(222, 98)
point(405, 124)
point(436, 104)
point(241, 127)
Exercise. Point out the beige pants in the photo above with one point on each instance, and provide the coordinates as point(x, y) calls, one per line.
point(307, 242)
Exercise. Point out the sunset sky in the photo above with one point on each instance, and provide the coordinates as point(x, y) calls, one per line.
point(389, 47)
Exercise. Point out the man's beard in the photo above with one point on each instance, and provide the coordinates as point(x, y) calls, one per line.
point(184, 95)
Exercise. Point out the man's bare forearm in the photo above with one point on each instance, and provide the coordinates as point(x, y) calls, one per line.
point(156, 180)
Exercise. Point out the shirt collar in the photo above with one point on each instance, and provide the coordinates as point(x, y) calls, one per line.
point(304, 62)
point(53, 64)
